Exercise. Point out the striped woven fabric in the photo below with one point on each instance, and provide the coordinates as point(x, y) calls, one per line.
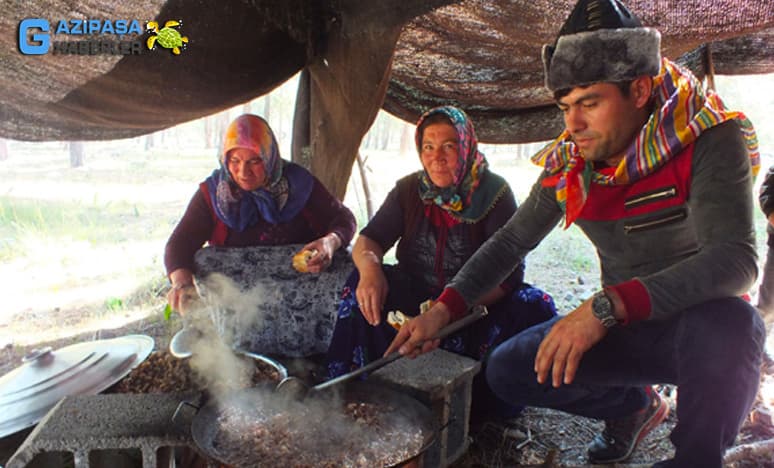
point(683, 111)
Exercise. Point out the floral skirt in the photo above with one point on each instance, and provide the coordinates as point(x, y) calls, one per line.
point(355, 342)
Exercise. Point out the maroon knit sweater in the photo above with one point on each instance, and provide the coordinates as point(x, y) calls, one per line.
point(322, 214)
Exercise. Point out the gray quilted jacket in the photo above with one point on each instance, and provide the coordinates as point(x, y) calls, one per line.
point(678, 237)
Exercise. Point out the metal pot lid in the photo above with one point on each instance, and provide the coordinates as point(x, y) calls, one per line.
point(28, 392)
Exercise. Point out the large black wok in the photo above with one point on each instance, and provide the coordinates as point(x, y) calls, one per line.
point(362, 425)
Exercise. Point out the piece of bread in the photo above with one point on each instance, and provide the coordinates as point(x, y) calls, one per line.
point(301, 259)
point(397, 319)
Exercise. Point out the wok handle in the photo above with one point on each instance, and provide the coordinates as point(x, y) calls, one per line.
point(202, 400)
point(383, 361)
point(478, 312)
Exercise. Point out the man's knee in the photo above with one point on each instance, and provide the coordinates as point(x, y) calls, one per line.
point(716, 327)
point(742, 323)
point(511, 364)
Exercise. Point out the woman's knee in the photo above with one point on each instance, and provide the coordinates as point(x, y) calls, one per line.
point(536, 306)
point(352, 279)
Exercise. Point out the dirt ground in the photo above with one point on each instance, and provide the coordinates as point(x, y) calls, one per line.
point(543, 437)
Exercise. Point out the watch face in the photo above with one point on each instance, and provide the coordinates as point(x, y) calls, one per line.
point(602, 309)
point(600, 304)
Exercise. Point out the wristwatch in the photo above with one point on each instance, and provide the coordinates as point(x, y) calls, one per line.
point(602, 308)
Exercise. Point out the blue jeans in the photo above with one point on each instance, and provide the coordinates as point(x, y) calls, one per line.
point(711, 351)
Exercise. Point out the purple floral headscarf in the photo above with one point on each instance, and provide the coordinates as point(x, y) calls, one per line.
point(279, 200)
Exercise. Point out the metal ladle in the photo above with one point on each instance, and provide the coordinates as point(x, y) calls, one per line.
point(181, 344)
point(296, 388)
point(194, 319)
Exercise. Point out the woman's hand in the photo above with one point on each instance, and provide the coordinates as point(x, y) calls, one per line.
point(414, 338)
point(372, 288)
point(325, 247)
point(371, 293)
point(182, 292)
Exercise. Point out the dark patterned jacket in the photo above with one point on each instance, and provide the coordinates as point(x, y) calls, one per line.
point(402, 219)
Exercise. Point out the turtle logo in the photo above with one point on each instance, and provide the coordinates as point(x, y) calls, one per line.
point(167, 37)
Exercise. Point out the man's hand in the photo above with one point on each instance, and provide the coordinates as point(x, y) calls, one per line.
point(562, 349)
point(414, 338)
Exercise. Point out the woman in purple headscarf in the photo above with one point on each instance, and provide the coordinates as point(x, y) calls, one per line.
point(256, 198)
point(438, 216)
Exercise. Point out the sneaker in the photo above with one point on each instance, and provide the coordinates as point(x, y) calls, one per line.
point(621, 436)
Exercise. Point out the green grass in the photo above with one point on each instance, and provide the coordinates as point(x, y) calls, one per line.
point(94, 248)
point(567, 249)
point(96, 223)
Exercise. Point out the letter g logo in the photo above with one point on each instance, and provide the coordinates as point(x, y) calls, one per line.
point(38, 44)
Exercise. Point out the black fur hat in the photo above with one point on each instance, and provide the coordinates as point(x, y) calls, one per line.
point(601, 41)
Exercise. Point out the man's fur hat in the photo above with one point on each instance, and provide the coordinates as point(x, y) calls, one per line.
point(601, 41)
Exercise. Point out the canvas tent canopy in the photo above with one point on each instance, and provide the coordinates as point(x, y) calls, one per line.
point(356, 56)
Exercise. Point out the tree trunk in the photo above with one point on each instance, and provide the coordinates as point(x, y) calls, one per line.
point(266, 107)
point(384, 134)
point(407, 146)
point(366, 189)
point(300, 145)
point(76, 153)
point(211, 131)
point(173, 136)
point(3, 149)
point(221, 122)
point(349, 72)
point(337, 125)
